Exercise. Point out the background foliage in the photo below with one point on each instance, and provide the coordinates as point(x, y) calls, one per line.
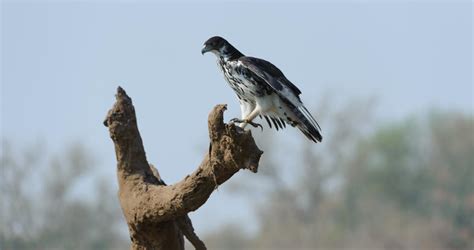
point(405, 184)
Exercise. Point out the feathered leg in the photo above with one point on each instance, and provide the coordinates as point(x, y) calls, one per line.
point(249, 119)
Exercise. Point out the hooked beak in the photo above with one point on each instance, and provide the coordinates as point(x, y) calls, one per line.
point(205, 49)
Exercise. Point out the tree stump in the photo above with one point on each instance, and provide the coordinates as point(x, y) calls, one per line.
point(156, 214)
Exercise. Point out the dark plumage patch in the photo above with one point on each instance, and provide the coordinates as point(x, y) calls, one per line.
point(283, 122)
point(275, 123)
point(269, 72)
point(268, 121)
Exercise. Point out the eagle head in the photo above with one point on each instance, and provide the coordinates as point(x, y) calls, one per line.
point(216, 45)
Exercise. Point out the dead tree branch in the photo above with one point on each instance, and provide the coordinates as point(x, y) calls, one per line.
point(156, 214)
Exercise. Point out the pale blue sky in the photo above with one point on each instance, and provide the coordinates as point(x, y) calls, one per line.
point(61, 64)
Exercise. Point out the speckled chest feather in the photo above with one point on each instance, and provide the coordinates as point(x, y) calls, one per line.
point(246, 86)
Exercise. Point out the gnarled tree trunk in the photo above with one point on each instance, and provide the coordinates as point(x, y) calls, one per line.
point(156, 214)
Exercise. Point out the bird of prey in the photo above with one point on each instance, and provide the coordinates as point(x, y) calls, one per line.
point(262, 90)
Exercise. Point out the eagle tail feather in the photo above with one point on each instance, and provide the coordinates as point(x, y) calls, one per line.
point(307, 124)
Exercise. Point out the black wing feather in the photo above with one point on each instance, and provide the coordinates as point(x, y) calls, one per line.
point(274, 123)
point(269, 72)
point(268, 120)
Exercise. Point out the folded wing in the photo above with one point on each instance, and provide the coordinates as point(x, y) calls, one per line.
point(297, 114)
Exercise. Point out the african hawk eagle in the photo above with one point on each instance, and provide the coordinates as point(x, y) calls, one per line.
point(262, 90)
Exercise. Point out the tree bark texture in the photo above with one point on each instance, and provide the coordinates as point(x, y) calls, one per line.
point(156, 214)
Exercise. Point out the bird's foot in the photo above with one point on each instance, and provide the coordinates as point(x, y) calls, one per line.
point(255, 125)
point(245, 121)
point(236, 120)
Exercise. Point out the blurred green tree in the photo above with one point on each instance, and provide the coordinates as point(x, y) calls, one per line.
point(404, 185)
point(40, 207)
